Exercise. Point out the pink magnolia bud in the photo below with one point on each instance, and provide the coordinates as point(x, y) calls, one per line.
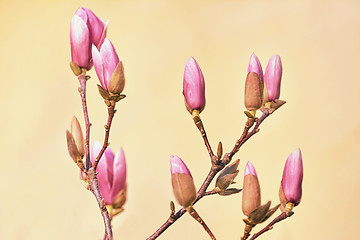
point(106, 63)
point(255, 66)
point(111, 172)
point(182, 182)
point(291, 183)
point(272, 79)
point(251, 194)
point(85, 29)
point(193, 86)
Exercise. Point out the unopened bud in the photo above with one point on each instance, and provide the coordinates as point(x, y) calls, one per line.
point(78, 136)
point(72, 148)
point(182, 182)
point(117, 80)
point(253, 91)
point(251, 196)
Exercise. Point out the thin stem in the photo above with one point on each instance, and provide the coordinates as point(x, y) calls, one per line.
point(111, 113)
point(82, 90)
point(201, 128)
point(94, 188)
point(197, 217)
point(279, 218)
point(247, 231)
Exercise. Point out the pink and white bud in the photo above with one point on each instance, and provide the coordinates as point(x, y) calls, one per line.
point(111, 172)
point(255, 66)
point(272, 79)
point(85, 29)
point(182, 182)
point(251, 193)
point(193, 86)
point(105, 62)
point(291, 183)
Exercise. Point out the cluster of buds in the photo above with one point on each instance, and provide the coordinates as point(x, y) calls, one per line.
point(263, 90)
point(89, 46)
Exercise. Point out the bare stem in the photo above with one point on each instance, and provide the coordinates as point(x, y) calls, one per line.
point(279, 218)
point(247, 231)
point(82, 90)
point(94, 188)
point(217, 166)
point(197, 217)
point(111, 113)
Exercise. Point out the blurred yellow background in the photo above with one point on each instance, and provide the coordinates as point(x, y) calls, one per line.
point(319, 42)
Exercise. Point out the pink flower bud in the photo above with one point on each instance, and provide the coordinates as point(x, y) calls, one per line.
point(291, 182)
point(272, 79)
point(111, 172)
point(182, 182)
point(85, 29)
point(255, 66)
point(105, 62)
point(251, 193)
point(193, 86)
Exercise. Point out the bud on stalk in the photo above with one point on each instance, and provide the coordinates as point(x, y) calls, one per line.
point(251, 194)
point(253, 92)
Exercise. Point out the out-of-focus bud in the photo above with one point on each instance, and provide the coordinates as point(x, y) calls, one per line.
point(182, 182)
point(255, 66)
point(78, 136)
point(251, 194)
point(272, 79)
point(193, 86)
point(85, 29)
point(111, 175)
point(291, 183)
point(109, 68)
point(253, 92)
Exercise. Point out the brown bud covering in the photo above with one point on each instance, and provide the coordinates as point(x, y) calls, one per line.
point(72, 148)
point(78, 136)
point(75, 69)
point(184, 189)
point(228, 175)
point(117, 80)
point(120, 198)
point(251, 195)
point(282, 197)
point(253, 92)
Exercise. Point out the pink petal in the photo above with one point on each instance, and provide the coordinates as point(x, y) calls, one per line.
point(178, 166)
point(273, 74)
point(255, 66)
point(98, 65)
point(194, 85)
point(96, 26)
point(79, 42)
point(119, 179)
point(110, 60)
point(103, 178)
point(249, 169)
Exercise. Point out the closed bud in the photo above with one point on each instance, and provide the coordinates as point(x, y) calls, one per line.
point(78, 136)
point(291, 183)
point(182, 182)
point(272, 77)
point(251, 194)
point(253, 92)
point(117, 80)
point(193, 86)
point(72, 148)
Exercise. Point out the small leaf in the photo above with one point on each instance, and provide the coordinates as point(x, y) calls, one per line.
point(230, 191)
point(228, 175)
point(259, 213)
point(104, 94)
point(270, 212)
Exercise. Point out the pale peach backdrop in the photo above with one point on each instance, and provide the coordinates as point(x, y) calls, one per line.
point(41, 196)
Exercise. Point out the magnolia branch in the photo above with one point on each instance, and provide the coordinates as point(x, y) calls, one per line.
point(111, 113)
point(216, 167)
point(279, 218)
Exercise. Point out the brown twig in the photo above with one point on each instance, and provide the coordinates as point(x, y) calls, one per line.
point(247, 231)
point(201, 128)
point(279, 218)
point(218, 166)
point(111, 113)
point(94, 188)
point(82, 90)
point(197, 217)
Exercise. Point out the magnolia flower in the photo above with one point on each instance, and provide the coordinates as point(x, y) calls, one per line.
point(251, 194)
point(193, 86)
point(85, 29)
point(108, 67)
point(255, 66)
point(111, 173)
point(182, 182)
point(272, 79)
point(291, 183)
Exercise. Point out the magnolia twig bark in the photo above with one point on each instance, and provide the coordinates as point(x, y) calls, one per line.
point(82, 90)
point(216, 167)
point(279, 218)
point(197, 217)
point(111, 113)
